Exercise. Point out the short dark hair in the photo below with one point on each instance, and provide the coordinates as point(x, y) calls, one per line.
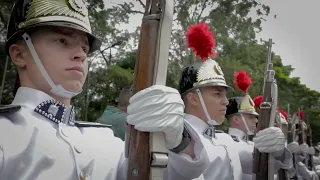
point(124, 96)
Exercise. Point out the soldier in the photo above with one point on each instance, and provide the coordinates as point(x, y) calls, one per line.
point(302, 156)
point(242, 117)
point(316, 157)
point(203, 89)
point(116, 116)
point(49, 41)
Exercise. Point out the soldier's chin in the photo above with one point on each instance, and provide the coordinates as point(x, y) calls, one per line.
point(73, 86)
point(220, 120)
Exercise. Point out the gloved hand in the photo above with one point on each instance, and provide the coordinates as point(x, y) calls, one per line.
point(270, 140)
point(301, 157)
point(293, 147)
point(311, 151)
point(304, 147)
point(158, 109)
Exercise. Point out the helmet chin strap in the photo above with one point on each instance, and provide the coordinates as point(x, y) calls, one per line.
point(57, 90)
point(249, 132)
point(209, 120)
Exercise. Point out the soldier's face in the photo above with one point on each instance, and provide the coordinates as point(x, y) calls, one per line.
point(63, 53)
point(251, 121)
point(216, 102)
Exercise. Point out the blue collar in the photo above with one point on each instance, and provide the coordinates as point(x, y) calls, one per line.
point(56, 112)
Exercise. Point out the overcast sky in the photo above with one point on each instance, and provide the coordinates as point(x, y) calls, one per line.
point(295, 32)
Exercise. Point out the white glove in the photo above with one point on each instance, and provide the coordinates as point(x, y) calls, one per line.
point(301, 157)
point(304, 147)
point(311, 151)
point(293, 147)
point(270, 140)
point(158, 109)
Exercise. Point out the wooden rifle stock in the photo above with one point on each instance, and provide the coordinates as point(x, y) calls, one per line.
point(309, 142)
point(301, 139)
point(137, 143)
point(261, 160)
point(290, 139)
point(145, 150)
point(282, 173)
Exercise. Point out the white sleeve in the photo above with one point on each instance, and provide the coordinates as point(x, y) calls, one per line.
point(122, 168)
point(303, 171)
point(287, 163)
point(182, 166)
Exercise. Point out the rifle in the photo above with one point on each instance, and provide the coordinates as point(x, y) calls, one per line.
point(282, 174)
point(309, 142)
point(146, 153)
point(263, 162)
point(300, 130)
point(291, 138)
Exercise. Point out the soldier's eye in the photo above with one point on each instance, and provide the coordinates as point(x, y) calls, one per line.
point(63, 41)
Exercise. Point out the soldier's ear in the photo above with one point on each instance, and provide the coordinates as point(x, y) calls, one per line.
point(236, 119)
point(18, 52)
point(193, 98)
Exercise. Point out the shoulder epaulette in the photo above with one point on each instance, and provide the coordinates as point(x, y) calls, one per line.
point(219, 131)
point(91, 124)
point(235, 138)
point(9, 108)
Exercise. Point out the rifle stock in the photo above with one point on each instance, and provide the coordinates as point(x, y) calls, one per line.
point(261, 161)
point(137, 143)
point(146, 152)
point(290, 139)
point(282, 173)
point(309, 142)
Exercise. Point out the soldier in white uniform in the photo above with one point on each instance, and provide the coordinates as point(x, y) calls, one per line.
point(302, 171)
point(48, 41)
point(242, 117)
point(203, 89)
point(316, 157)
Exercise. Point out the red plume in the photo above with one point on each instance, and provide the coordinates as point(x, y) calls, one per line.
point(300, 114)
point(242, 80)
point(257, 101)
point(284, 113)
point(200, 39)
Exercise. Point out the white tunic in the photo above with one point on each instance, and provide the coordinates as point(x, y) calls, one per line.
point(246, 149)
point(32, 147)
point(302, 170)
point(222, 152)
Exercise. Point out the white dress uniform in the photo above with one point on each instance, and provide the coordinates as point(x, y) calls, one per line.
point(42, 141)
point(302, 170)
point(316, 160)
point(222, 152)
point(246, 149)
